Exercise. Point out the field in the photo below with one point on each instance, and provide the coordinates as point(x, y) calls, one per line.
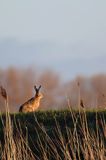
point(53, 135)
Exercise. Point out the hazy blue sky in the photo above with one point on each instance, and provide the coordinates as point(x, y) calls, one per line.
point(68, 36)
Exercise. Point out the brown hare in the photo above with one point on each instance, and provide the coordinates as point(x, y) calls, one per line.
point(32, 104)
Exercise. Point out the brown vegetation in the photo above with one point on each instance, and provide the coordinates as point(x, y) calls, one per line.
point(19, 84)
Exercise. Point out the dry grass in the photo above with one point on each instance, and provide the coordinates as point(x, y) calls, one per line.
point(79, 143)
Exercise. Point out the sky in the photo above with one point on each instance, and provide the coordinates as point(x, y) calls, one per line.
point(67, 36)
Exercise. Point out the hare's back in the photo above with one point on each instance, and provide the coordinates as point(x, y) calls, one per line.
point(26, 108)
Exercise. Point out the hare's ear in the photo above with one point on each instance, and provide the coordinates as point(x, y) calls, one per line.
point(39, 87)
point(35, 88)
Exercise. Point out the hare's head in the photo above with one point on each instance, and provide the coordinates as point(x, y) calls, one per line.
point(38, 95)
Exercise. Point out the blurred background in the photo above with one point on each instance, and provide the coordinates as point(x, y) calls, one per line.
point(57, 44)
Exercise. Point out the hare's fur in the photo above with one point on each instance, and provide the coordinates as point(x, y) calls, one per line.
point(32, 104)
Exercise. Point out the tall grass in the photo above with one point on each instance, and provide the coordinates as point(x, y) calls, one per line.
point(74, 137)
point(80, 140)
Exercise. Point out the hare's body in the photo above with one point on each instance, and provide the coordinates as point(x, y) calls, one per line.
point(32, 104)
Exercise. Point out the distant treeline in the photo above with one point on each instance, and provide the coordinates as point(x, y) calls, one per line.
point(57, 93)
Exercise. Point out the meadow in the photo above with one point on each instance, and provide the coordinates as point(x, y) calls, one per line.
point(54, 135)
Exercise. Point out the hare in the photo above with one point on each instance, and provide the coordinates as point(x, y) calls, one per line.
point(32, 104)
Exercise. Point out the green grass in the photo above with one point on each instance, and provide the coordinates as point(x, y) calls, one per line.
point(45, 130)
point(49, 118)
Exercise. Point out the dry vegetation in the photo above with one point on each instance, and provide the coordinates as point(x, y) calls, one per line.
point(73, 134)
point(19, 85)
point(54, 135)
